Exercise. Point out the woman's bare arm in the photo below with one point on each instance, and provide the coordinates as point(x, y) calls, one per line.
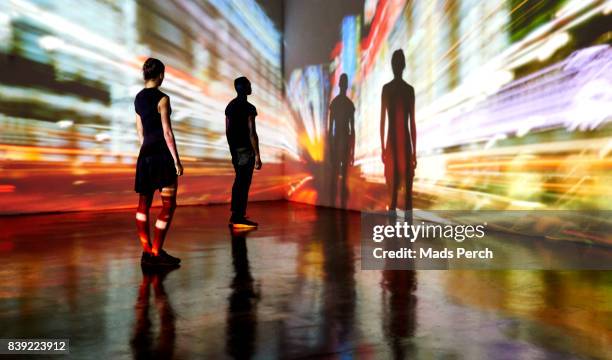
point(139, 130)
point(164, 110)
point(413, 130)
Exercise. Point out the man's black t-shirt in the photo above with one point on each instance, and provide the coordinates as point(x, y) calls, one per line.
point(238, 112)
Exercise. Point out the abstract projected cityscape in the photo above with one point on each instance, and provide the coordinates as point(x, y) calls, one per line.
point(69, 74)
point(513, 105)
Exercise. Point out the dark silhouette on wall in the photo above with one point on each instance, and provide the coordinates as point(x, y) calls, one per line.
point(242, 310)
point(142, 343)
point(399, 150)
point(341, 138)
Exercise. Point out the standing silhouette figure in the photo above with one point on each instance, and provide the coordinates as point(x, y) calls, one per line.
point(399, 151)
point(158, 165)
point(341, 137)
point(244, 147)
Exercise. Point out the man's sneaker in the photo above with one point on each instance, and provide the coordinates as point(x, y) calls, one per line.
point(243, 223)
point(240, 232)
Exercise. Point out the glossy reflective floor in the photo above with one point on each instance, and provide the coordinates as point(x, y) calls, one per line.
point(292, 289)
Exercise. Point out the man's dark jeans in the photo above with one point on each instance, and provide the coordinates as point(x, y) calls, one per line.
point(244, 163)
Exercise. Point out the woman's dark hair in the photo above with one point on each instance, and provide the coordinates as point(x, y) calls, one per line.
point(152, 68)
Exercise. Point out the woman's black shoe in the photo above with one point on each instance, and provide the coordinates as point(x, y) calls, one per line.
point(162, 259)
point(168, 258)
point(146, 258)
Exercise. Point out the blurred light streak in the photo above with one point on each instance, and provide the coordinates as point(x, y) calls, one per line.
point(7, 188)
point(71, 114)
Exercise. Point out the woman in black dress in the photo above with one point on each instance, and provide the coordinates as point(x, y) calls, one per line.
point(158, 165)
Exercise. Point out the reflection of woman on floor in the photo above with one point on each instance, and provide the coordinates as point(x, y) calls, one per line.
point(142, 343)
point(158, 163)
point(399, 151)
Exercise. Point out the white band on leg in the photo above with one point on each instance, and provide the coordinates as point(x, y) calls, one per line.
point(141, 217)
point(161, 224)
point(168, 192)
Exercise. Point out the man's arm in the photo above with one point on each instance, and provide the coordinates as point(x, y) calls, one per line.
point(383, 110)
point(413, 131)
point(352, 137)
point(164, 111)
point(330, 121)
point(254, 141)
point(330, 129)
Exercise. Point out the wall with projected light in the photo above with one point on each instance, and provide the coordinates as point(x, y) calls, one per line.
point(513, 105)
point(69, 73)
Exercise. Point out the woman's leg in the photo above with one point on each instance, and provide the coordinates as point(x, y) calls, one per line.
point(168, 196)
point(142, 221)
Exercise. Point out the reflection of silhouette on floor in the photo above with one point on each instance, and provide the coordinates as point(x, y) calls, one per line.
point(142, 342)
point(339, 298)
point(398, 154)
point(242, 311)
point(399, 311)
point(341, 138)
point(322, 305)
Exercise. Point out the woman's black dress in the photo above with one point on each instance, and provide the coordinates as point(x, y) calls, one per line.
point(155, 166)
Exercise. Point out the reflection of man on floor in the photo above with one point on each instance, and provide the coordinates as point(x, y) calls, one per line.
point(399, 151)
point(241, 331)
point(341, 135)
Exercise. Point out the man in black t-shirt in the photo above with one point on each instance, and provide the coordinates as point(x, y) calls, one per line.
point(244, 147)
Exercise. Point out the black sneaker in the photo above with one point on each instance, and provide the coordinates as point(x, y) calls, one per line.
point(169, 258)
point(145, 258)
point(163, 259)
point(241, 231)
point(243, 223)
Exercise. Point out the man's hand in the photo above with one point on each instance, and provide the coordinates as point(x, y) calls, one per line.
point(258, 163)
point(414, 163)
point(382, 155)
point(179, 168)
